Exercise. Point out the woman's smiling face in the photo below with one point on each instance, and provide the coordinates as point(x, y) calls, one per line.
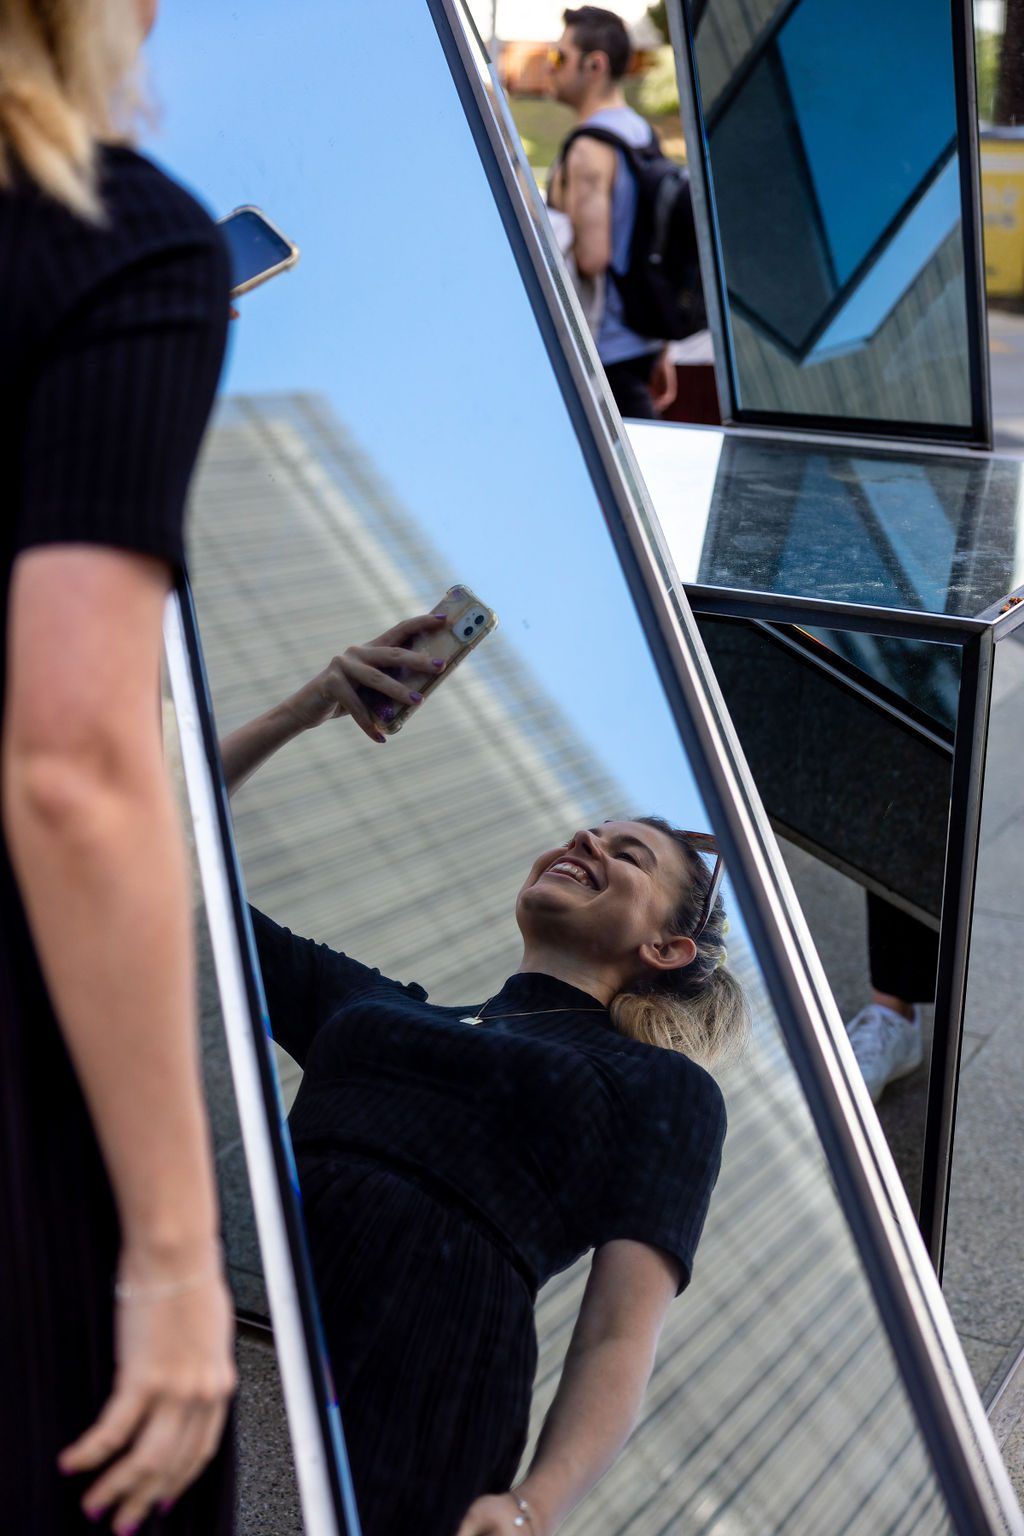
point(605, 892)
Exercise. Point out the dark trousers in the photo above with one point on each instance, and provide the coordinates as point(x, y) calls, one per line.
point(903, 953)
point(630, 383)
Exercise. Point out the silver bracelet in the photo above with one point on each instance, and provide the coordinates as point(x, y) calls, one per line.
point(160, 1290)
point(524, 1516)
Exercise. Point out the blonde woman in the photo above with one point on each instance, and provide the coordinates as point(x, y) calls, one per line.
point(115, 1320)
point(453, 1159)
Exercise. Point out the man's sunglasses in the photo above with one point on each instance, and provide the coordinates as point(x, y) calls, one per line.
point(557, 57)
point(703, 842)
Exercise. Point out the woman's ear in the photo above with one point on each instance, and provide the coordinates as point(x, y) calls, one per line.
point(671, 954)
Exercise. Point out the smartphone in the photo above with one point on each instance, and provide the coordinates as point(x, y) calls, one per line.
point(257, 248)
point(469, 621)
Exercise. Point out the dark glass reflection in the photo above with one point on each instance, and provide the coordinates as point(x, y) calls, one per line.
point(926, 532)
point(916, 678)
point(831, 134)
point(855, 775)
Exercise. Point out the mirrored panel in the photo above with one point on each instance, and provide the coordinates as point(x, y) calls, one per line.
point(836, 152)
point(984, 1260)
point(849, 737)
point(926, 532)
point(491, 985)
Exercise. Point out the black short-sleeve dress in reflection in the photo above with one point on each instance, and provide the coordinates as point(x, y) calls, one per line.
point(111, 341)
point(447, 1171)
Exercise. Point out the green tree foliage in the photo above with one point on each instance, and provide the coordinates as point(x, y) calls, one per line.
point(986, 54)
point(659, 16)
point(657, 94)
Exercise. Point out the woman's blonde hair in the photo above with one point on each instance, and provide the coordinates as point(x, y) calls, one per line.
point(699, 1009)
point(65, 67)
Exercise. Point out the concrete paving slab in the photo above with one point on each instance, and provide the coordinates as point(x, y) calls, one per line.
point(995, 984)
point(986, 1360)
point(973, 1041)
point(985, 1233)
point(238, 1224)
point(1000, 883)
point(268, 1500)
point(1013, 1455)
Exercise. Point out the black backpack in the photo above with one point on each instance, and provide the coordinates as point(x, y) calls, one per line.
point(661, 290)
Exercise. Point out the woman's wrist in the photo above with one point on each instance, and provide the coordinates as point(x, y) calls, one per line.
point(167, 1250)
point(533, 1509)
point(136, 1287)
point(298, 713)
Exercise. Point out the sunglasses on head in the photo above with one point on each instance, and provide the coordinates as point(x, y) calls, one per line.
point(704, 842)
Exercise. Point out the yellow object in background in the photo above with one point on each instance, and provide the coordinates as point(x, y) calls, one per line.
point(1002, 206)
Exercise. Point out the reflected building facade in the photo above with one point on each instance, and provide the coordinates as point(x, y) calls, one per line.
point(775, 1404)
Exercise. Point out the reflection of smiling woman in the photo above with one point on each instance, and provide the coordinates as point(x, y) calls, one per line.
point(454, 1159)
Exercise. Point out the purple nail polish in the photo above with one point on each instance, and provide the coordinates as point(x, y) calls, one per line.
point(379, 736)
point(417, 698)
point(165, 1506)
point(438, 615)
point(437, 662)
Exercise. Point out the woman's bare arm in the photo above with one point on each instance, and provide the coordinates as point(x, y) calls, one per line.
point(330, 695)
point(607, 1368)
point(249, 747)
point(92, 827)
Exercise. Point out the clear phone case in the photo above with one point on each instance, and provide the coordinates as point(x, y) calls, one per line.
point(469, 620)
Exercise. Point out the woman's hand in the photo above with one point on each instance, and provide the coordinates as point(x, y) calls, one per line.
point(340, 688)
point(498, 1514)
point(173, 1381)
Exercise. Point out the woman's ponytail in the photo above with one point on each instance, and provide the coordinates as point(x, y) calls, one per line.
point(699, 1009)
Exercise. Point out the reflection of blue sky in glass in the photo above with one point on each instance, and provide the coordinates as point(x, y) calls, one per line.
point(408, 314)
point(931, 221)
point(895, 103)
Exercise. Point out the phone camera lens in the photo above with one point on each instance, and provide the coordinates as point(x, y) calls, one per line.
point(466, 633)
point(479, 618)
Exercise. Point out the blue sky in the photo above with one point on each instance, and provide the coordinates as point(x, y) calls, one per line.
point(407, 312)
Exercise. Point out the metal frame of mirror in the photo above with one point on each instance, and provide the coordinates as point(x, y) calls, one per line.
point(749, 51)
point(974, 1485)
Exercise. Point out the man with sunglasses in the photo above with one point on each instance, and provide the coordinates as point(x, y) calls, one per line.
point(592, 184)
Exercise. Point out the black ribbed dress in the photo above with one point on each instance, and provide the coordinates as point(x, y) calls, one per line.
point(111, 341)
point(447, 1170)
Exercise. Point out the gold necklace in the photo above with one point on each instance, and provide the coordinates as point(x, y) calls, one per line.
point(478, 1018)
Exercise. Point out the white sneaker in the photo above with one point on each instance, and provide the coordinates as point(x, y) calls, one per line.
point(886, 1045)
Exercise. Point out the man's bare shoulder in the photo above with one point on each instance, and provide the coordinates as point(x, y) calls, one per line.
point(592, 159)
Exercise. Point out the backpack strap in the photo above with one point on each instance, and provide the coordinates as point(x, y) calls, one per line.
point(633, 153)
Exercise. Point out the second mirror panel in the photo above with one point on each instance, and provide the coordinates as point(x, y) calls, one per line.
point(849, 737)
point(841, 238)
